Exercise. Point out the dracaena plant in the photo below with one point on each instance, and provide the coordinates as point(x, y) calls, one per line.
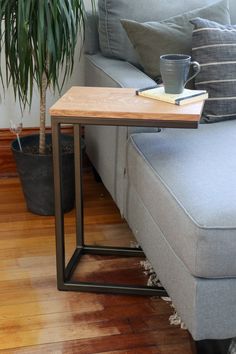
point(39, 38)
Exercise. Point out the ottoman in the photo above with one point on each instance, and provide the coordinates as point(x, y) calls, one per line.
point(181, 206)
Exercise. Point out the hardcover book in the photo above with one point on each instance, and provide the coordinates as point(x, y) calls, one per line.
point(187, 96)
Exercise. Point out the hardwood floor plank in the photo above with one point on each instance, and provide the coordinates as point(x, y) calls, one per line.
point(119, 342)
point(37, 318)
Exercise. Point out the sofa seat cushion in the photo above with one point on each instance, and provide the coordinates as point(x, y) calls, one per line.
point(187, 181)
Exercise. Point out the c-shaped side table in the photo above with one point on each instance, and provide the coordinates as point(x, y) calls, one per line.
point(114, 107)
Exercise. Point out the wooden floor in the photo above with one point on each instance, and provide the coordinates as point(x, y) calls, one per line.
point(36, 318)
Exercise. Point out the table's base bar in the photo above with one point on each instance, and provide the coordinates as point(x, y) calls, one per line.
point(114, 251)
point(74, 285)
point(112, 288)
point(72, 264)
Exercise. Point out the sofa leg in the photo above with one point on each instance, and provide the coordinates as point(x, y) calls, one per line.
point(210, 346)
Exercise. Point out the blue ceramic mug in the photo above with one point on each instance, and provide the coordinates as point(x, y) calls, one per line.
point(174, 70)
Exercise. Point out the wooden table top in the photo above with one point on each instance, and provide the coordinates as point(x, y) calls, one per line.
point(105, 105)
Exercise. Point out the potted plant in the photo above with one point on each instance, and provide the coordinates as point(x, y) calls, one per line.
point(39, 40)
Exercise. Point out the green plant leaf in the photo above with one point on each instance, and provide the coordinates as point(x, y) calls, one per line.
point(39, 38)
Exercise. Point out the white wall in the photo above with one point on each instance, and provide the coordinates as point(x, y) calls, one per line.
point(10, 110)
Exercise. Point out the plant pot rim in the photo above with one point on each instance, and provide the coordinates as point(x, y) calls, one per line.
point(25, 137)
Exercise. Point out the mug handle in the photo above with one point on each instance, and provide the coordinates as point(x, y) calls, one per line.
point(196, 68)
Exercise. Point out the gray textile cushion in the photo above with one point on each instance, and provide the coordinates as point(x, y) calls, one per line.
point(206, 306)
point(91, 44)
point(113, 40)
point(192, 199)
point(174, 35)
point(214, 47)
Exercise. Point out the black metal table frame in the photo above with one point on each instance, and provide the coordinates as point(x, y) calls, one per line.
point(65, 272)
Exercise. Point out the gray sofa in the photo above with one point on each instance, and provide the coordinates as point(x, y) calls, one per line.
point(176, 188)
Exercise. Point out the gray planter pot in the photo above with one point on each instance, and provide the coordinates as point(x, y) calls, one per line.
point(36, 175)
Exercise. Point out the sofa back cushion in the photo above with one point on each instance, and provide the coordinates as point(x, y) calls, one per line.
point(91, 43)
point(214, 47)
point(112, 37)
point(173, 35)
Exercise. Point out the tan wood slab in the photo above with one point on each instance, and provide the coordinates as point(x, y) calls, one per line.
point(121, 104)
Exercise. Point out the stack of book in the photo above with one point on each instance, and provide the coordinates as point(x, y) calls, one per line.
point(187, 96)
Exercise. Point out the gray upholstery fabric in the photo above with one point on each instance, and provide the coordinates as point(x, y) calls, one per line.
point(91, 44)
point(214, 47)
point(106, 146)
point(92, 37)
point(192, 197)
point(173, 35)
point(207, 306)
point(232, 10)
point(113, 39)
point(101, 71)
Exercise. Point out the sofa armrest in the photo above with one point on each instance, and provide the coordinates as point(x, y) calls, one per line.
point(107, 72)
point(106, 145)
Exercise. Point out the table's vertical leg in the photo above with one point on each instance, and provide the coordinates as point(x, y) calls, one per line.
point(59, 216)
point(78, 187)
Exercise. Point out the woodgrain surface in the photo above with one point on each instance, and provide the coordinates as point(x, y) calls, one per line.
point(105, 103)
point(36, 318)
